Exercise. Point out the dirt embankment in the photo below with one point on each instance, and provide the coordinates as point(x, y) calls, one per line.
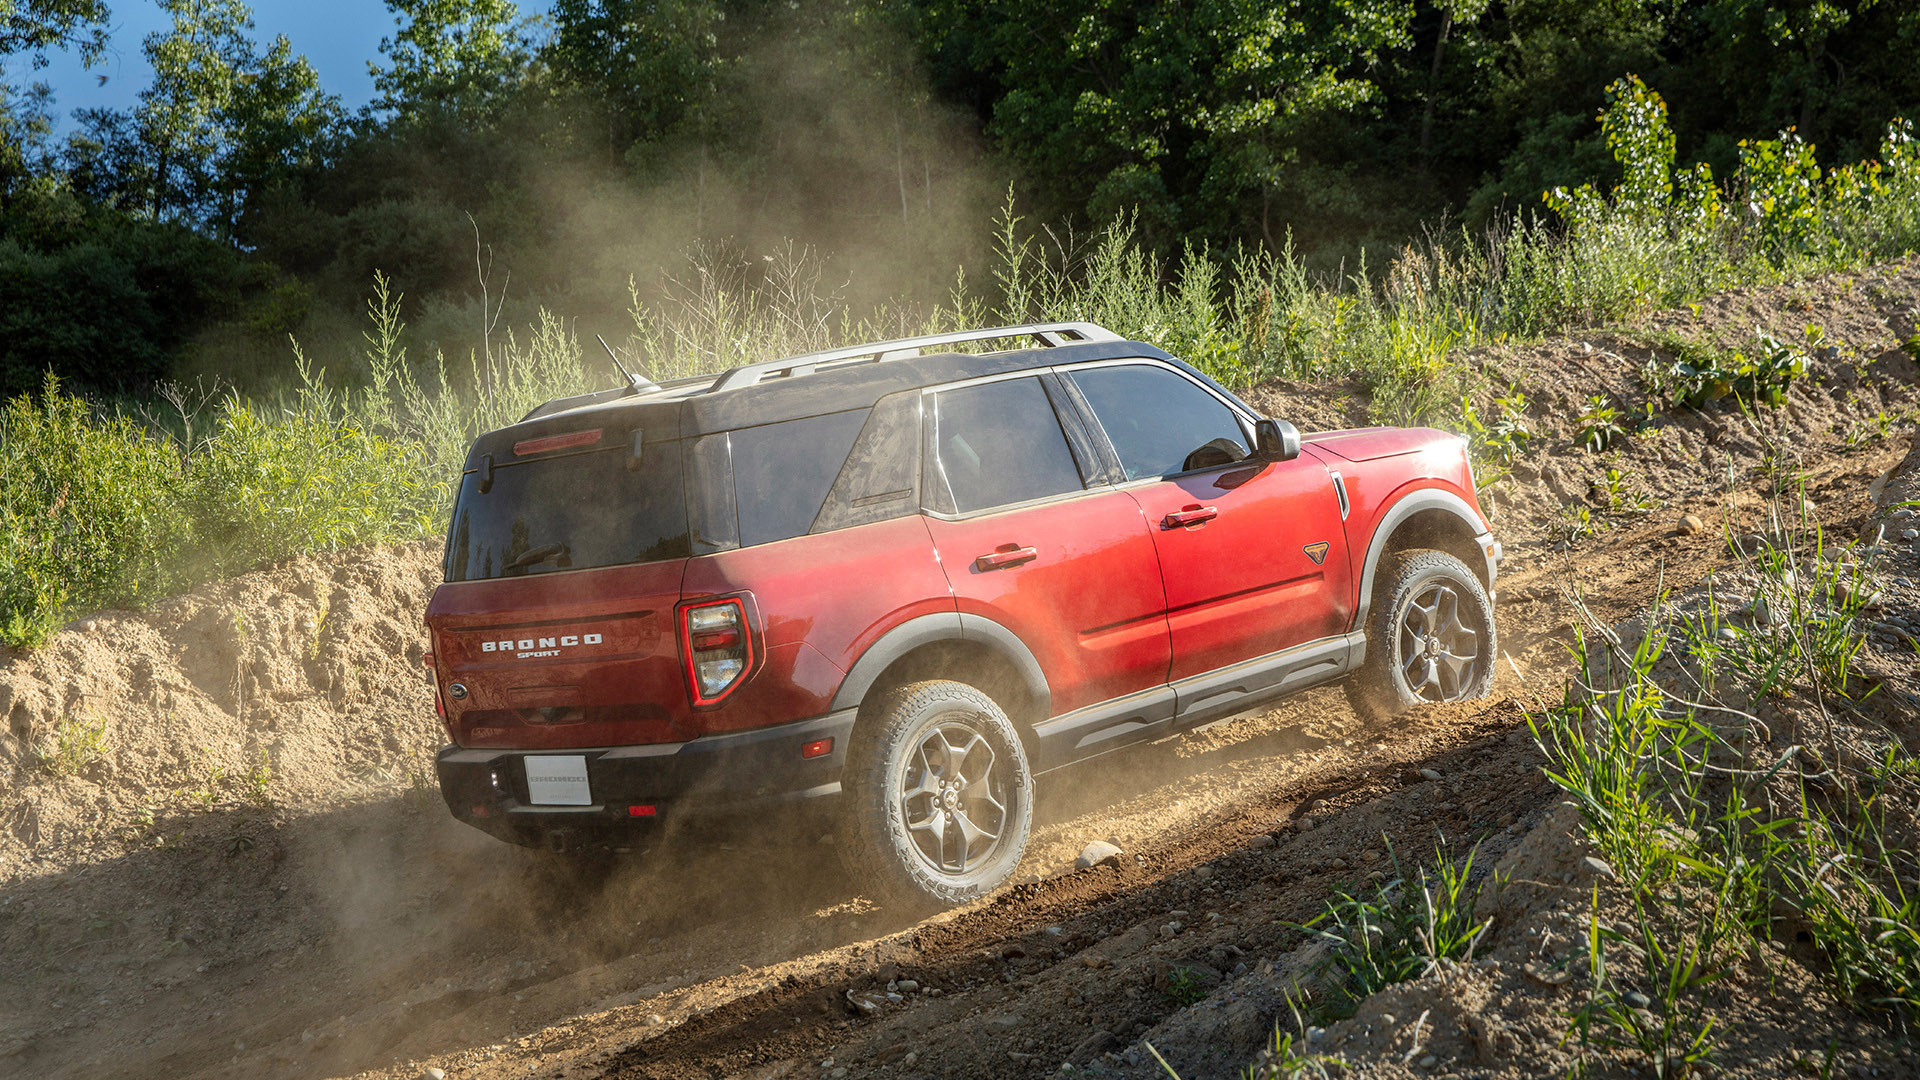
point(166, 914)
point(299, 685)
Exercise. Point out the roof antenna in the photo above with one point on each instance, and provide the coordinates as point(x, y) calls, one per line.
point(635, 384)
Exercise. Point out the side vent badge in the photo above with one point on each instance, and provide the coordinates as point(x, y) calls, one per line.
point(1317, 552)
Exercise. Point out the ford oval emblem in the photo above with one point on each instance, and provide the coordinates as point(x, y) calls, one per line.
point(458, 690)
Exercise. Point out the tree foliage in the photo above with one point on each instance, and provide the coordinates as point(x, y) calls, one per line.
point(222, 121)
point(37, 26)
point(463, 57)
point(1185, 112)
point(649, 66)
point(581, 143)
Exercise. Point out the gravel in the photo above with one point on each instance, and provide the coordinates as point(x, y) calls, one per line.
point(1098, 853)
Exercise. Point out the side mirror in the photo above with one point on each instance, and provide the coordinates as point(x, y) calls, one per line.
point(1279, 440)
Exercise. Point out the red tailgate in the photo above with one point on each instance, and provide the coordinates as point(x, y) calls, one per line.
point(558, 660)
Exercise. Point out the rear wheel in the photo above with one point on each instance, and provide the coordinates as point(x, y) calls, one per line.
point(1430, 637)
point(940, 796)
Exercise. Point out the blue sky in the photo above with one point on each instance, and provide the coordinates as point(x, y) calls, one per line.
point(339, 37)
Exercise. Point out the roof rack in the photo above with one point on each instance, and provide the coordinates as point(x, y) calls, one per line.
point(1047, 334)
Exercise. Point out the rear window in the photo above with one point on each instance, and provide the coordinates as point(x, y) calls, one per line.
point(570, 512)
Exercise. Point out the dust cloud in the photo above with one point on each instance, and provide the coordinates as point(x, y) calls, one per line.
point(832, 151)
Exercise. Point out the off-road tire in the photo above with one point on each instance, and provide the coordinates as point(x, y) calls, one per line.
point(1381, 689)
point(888, 861)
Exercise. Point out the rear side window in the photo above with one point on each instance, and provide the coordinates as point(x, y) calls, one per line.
point(781, 472)
point(1001, 443)
point(1159, 422)
point(569, 512)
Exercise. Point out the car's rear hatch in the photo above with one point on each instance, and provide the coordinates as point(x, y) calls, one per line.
point(555, 628)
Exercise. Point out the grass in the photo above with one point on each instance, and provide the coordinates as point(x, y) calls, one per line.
point(76, 742)
point(1282, 1061)
point(1396, 932)
point(103, 506)
point(1727, 832)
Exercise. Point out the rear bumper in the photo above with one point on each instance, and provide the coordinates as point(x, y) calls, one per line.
point(709, 776)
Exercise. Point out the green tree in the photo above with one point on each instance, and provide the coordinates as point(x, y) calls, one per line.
point(25, 137)
point(464, 57)
point(649, 67)
point(1187, 112)
point(222, 122)
point(35, 26)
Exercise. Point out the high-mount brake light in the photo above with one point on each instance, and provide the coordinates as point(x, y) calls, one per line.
point(718, 647)
point(556, 442)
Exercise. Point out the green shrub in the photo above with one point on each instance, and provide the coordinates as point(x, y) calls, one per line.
point(98, 510)
point(90, 512)
point(1700, 373)
point(262, 486)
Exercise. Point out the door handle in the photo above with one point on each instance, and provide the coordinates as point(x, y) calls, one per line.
point(1006, 556)
point(1192, 515)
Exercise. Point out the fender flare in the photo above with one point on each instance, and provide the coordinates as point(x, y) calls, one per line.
point(943, 626)
point(1407, 506)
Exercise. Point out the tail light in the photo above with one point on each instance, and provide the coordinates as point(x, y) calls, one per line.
point(718, 646)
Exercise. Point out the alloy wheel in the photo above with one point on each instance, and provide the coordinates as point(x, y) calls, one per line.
point(1438, 652)
point(953, 799)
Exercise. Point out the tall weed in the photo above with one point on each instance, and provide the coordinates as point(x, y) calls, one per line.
point(90, 510)
point(1724, 836)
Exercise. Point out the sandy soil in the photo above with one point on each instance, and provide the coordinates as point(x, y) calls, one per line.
point(170, 908)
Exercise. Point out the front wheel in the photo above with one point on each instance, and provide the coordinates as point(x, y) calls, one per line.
point(1430, 637)
point(940, 797)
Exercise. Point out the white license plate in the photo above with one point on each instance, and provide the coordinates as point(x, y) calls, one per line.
point(558, 780)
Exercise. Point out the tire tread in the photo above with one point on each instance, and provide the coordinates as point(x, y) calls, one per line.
point(1373, 690)
point(866, 845)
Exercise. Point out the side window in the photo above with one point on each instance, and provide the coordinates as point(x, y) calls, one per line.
point(1001, 443)
point(1159, 422)
point(881, 479)
point(781, 472)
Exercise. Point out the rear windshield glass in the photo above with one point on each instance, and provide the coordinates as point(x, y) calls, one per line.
point(570, 512)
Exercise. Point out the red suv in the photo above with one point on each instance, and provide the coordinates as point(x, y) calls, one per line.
point(900, 584)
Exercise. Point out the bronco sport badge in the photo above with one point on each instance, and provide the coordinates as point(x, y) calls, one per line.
point(526, 648)
point(1316, 552)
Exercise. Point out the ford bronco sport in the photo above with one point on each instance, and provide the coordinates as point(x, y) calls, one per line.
point(901, 584)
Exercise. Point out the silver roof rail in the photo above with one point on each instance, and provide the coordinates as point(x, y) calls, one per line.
point(1048, 334)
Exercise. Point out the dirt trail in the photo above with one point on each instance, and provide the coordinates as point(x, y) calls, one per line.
point(165, 909)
